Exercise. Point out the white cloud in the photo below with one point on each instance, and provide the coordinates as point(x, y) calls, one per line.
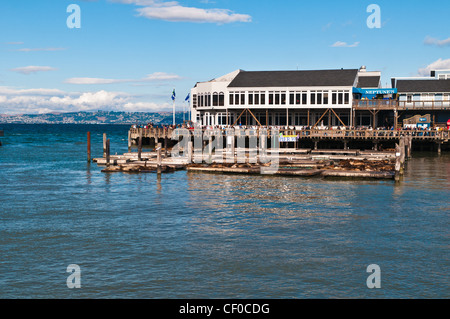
point(436, 65)
point(173, 11)
point(40, 49)
point(33, 69)
point(340, 44)
point(31, 101)
point(157, 76)
point(433, 41)
point(90, 81)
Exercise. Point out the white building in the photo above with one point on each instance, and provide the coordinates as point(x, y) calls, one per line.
point(424, 91)
point(280, 98)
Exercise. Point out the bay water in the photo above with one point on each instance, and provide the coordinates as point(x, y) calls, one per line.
point(191, 235)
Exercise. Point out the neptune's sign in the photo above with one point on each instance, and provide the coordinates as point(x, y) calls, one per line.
point(374, 91)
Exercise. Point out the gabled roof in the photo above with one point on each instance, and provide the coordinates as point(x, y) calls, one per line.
point(423, 86)
point(368, 82)
point(294, 78)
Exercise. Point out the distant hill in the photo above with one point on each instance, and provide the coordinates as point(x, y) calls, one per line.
point(99, 117)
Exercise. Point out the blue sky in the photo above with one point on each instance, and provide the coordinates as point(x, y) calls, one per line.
point(130, 54)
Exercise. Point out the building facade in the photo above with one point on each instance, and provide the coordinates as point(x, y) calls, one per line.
point(317, 98)
point(280, 98)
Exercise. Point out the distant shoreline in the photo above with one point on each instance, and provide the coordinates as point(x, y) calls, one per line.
point(95, 118)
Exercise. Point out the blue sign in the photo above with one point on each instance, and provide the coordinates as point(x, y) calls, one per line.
point(374, 91)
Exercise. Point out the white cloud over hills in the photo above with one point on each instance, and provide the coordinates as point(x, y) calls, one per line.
point(32, 101)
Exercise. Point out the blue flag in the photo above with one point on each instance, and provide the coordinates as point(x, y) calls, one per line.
point(187, 97)
point(173, 95)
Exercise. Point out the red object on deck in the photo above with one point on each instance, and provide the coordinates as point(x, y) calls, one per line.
point(448, 125)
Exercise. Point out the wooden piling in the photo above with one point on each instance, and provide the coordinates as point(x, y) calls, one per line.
point(397, 162)
point(108, 153)
point(140, 145)
point(166, 145)
point(190, 152)
point(402, 154)
point(89, 147)
point(158, 158)
point(104, 144)
point(129, 141)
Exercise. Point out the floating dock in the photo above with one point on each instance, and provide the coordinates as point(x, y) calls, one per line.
point(204, 158)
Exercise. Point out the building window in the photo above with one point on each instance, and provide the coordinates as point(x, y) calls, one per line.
point(215, 99)
point(257, 98)
point(221, 99)
point(194, 101)
point(263, 98)
point(237, 98)
point(231, 99)
point(341, 98)
point(250, 98)
point(242, 98)
point(304, 98)
point(277, 98)
point(319, 97)
point(283, 98)
point(334, 98)
point(347, 98)
point(325, 98)
point(291, 98)
point(313, 98)
point(271, 98)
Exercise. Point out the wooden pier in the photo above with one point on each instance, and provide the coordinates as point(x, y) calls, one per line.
point(349, 163)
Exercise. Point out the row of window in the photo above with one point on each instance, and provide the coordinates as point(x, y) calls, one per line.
point(429, 97)
point(273, 98)
point(298, 119)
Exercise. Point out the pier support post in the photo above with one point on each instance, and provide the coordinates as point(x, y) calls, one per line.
point(402, 154)
point(89, 146)
point(409, 147)
point(158, 159)
point(140, 145)
point(233, 150)
point(439, 148)
point(108, 152)
point(345, 144)
point(397, 162)
point(166, 145)
point(315, 144)
point(129, 141)
point(190, 152)
point(104, 145)
point(210, 149)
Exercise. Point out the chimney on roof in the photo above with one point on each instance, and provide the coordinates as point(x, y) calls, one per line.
point(363, 69)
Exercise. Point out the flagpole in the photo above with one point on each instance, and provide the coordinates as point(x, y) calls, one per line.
point(173, 112)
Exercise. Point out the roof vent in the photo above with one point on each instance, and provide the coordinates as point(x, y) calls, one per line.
point(363, 69)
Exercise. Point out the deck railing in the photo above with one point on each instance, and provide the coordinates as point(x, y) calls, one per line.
point(400, 105)
point(362, 134)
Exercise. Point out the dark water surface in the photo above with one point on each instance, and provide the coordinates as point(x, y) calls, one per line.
point(190, 235)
